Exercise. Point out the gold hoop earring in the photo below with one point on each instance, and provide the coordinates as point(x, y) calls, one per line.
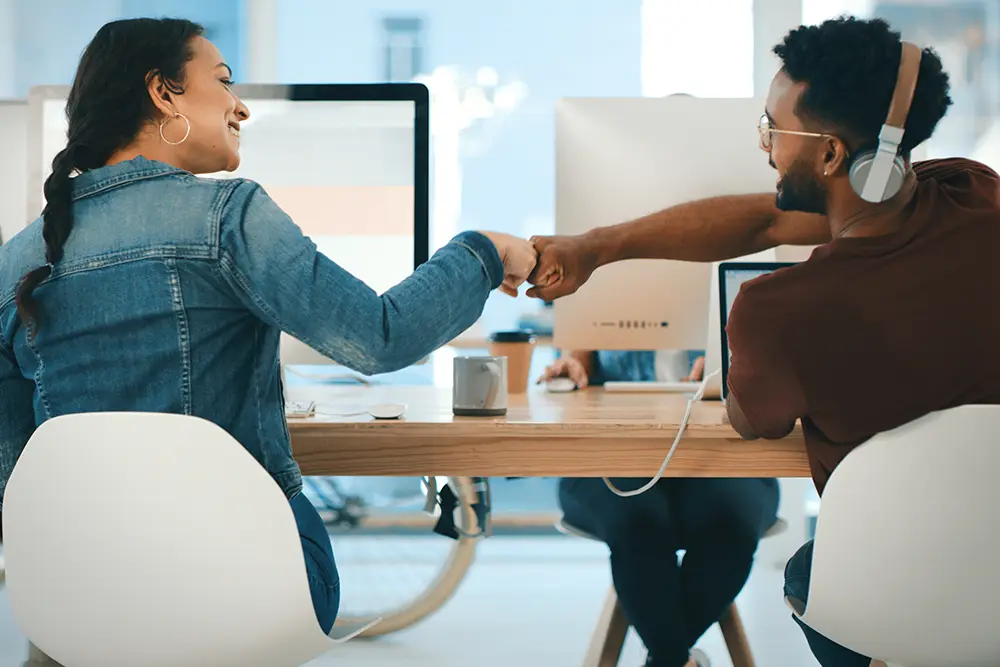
point(186, 132)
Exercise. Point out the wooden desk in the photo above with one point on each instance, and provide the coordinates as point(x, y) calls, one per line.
point(583, 434)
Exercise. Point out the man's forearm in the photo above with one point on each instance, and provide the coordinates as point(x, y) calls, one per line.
point(708, 230)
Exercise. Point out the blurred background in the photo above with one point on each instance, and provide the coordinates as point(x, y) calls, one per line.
point(496, 70)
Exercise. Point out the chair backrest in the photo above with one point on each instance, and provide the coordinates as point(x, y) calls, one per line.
point(154, 539)
point(904, 562)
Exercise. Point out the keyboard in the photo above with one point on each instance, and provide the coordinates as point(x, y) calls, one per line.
point(653, 387)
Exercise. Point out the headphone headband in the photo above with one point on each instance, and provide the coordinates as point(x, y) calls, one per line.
point(877, 176)
point(906, 85)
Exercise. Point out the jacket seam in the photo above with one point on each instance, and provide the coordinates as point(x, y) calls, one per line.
point(183, 334)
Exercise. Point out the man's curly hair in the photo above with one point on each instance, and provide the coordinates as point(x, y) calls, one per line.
point(849, 67)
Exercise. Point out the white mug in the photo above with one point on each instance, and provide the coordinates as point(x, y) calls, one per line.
point(480, 386)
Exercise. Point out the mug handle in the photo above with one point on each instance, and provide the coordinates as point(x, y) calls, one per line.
point(494, 370)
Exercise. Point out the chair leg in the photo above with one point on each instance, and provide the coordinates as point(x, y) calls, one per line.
point(609, 636)
point(736, 638)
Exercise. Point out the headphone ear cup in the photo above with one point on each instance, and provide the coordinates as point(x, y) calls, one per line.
point(861, 167)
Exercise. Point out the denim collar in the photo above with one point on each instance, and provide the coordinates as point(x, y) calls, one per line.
point(105, 178)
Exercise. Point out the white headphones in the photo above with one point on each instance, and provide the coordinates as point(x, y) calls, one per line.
point(877, 174)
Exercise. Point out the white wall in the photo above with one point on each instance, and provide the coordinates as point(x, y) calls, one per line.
point(7, 51)
point(51, 36)
point(13, 171)
point(772, 19)
point(261, 43)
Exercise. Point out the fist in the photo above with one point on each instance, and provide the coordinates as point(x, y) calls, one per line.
point(518, 257)
point(564, 264)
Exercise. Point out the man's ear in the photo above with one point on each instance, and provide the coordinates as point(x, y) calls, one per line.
point(160, 94)
point(837, 155)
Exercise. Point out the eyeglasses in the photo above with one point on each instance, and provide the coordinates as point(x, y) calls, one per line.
point(765, 131)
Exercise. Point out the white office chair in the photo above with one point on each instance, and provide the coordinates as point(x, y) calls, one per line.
point(155, 540)
point(608, 638)
point(904, 560)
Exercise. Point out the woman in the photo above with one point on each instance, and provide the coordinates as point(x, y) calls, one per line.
point(717, 522)
point(145, 288)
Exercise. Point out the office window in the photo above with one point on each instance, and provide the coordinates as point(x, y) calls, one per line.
point(402, 48)
point(679, 55)
point(496, 71)
point(223, 21)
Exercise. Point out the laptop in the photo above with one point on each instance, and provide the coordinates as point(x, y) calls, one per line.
point(732, 275)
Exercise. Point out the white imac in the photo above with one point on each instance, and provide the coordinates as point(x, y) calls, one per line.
point(348, 163)
point(621, 158)
point(13, 175)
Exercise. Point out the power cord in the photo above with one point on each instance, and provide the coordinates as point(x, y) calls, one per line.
point(680, 432)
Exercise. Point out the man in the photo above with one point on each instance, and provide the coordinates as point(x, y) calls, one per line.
point(717, 522)
point(903, 288)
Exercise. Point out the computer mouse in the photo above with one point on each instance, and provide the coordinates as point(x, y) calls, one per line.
point(387, 410)
point(560, 385)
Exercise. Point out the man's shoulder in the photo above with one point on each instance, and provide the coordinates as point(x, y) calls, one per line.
point(781, 288)
point(959, 172)
point(956, 191)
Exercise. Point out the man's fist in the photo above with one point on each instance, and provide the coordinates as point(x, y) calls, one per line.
point(564, 264)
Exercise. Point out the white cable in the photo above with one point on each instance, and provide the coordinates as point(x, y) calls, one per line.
point(680, 432)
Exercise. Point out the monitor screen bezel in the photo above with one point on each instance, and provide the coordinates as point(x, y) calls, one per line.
point(305, 92)
point(724, 268)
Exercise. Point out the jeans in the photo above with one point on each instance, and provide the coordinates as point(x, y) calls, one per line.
point(717, 522)
point(321, 568)
point(828, 653)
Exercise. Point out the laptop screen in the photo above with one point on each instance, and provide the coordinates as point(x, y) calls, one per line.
point(732, 275)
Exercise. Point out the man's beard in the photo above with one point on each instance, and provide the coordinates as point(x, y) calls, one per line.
point(800, 190)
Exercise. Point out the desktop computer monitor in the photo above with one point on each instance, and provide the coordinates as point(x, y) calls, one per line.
point(621, 158)
point(348, 162)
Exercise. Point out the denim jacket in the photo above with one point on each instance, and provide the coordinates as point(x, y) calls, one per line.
point(171, 295)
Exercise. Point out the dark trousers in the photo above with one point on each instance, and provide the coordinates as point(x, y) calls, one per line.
point(321, 569)
point(828, 653)
point(717, 522)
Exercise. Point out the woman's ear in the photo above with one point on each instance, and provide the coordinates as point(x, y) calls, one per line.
point(160, 94)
